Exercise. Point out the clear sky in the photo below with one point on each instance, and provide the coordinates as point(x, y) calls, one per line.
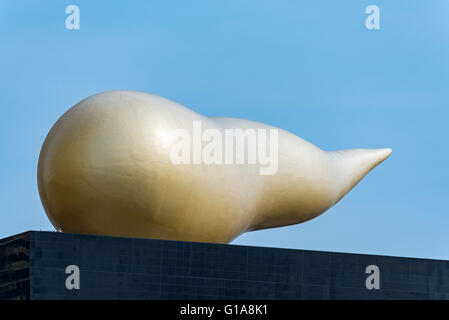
point(310, 67)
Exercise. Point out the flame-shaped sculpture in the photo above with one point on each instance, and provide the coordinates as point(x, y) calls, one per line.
point(105, 169)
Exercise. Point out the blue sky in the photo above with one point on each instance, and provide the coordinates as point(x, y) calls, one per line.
point(310, 67)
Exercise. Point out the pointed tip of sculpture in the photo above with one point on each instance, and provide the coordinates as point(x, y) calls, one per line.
point(352, 165)
point(381, 155)
point(386, 152)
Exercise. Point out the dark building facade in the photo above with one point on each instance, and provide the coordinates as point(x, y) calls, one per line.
point(15, 267)
point(41, 265)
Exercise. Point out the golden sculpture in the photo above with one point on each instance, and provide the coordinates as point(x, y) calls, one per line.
point(106, 167)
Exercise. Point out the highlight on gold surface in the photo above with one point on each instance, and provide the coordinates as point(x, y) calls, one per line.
point(107, 167)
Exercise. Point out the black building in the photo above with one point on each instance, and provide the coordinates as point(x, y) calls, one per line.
point(45, 265)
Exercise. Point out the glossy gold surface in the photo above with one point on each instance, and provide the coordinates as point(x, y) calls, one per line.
point(105, 169)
